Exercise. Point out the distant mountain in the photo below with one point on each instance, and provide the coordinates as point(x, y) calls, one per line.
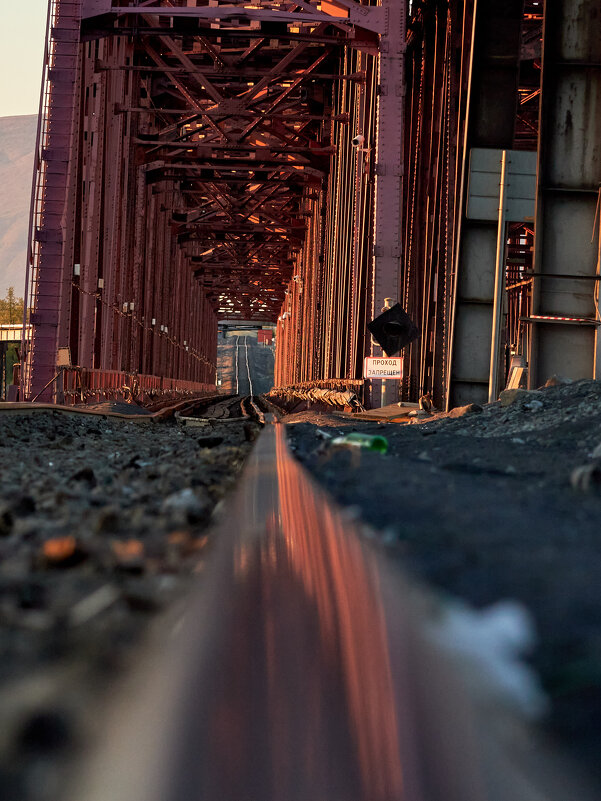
point(17, 144)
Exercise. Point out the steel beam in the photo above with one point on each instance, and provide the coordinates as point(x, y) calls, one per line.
point(49, 267)
point(569, 192)
point(369, 18)
point(491, 114)
point(389, 169)
point(252, 175)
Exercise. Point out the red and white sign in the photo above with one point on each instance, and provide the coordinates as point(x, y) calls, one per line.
point(383, 367)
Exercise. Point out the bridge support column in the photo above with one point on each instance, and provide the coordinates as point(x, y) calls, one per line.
point(569, 193)
point(389, 172)
point(50, 254)
point(491, 112)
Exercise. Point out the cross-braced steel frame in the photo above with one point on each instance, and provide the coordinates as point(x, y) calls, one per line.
point(301, 161)
point(188, 154)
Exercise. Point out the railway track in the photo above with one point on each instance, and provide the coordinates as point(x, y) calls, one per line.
point(307, 667)
point(244, 383)
point(243, 405)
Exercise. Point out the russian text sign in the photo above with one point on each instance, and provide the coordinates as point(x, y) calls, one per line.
point(384, 367)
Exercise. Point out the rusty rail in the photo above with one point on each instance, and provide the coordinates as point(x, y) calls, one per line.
point(305, 668)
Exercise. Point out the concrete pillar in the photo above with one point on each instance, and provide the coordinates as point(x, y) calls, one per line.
point(569, 173)
point(490, 123)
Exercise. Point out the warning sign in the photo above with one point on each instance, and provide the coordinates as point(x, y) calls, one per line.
point(382, 367)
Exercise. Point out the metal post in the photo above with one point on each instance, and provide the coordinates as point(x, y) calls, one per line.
point(390, 386)
point(493, 382)
point(597, 354)
point(389, 169)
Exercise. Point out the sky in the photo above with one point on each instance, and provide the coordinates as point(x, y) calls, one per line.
point(22, 35)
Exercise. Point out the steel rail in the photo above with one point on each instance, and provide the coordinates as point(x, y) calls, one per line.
point(237, 368)
point(306, 668)
point(169, 409)
point(250, 383)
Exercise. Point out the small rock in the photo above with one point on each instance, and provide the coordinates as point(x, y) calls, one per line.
point(189, 505)
point(62, 552)
point(352, 512)
point(461, 411)
point(510, 396)
point(534, 406)
point(129, 555)
point(586, 477)
point(6, 521)
point(148, 594)
point(45, 732)
point(557, 380)
point(32, 595)
point(107, 520)
point(93, 604)
point(209, 442)
point(251, 432)
point(142, 598)
point(425, 403)
point(389, 536)
point(518, 441)
point(86, 474)
point(24, 506)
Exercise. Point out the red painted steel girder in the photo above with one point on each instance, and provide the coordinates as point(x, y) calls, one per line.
point(229, 145)
point(199, 145)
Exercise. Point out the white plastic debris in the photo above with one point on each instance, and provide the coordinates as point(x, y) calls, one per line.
point(488, 647)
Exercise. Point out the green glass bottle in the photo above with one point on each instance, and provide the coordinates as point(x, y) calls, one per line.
point(369, 442)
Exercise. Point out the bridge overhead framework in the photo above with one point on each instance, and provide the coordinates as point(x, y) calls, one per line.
point(298, 162)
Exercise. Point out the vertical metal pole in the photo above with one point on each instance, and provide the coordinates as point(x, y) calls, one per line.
point(389, 167)
point(493, 381)
point(390, 387)
point(597, 352)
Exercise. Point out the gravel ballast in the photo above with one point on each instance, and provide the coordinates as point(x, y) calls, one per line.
point(497, 503)
point(102, 525)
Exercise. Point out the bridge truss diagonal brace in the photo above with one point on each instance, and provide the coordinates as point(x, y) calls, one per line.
point(371, 18)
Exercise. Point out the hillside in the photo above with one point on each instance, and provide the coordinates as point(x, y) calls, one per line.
point(17, 143)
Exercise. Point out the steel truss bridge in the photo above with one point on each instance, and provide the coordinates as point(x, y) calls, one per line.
point(300, 161)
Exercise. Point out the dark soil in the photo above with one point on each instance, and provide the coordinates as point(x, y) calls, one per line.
point(102, 525)
point(483, 507)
